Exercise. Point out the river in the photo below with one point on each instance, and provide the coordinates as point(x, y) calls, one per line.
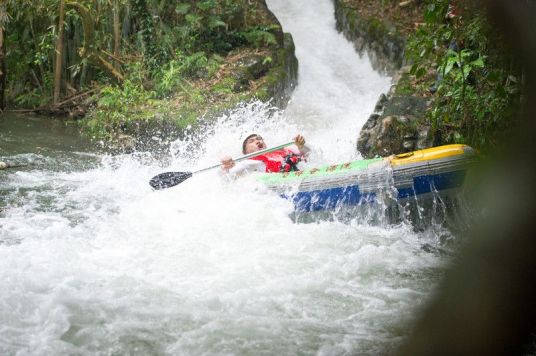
point(93, 262)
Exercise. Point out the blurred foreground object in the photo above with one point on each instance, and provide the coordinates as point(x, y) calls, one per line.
point(486, 304)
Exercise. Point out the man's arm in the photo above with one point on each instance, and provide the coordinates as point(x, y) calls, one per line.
point(237, 169)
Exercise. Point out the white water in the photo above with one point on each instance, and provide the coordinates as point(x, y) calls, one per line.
point(94, 262)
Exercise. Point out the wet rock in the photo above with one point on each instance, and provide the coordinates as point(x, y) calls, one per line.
point(372, 121)
point(242, 77)
point(405, 105)
point(256, 65)
point(77, 113)
point(396, 126)
point(378, 40)
point(381, 102)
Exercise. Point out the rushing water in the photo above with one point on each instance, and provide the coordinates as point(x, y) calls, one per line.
point(94, 262)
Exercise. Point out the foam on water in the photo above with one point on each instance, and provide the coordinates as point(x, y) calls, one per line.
point(92, 261)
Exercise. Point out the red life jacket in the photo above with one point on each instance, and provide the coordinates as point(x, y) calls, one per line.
point(283, 160)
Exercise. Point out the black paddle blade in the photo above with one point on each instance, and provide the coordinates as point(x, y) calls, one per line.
point(168, 179)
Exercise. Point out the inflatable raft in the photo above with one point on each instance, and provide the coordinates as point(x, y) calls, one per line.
point(405, 176)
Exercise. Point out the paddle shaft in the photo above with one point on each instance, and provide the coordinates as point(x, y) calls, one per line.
point(249, 155)
point(170, 179)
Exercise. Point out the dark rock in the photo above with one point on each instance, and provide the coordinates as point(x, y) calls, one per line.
point(378, 40)
point(406, 105)
point(381, 102)
point(77, 113)
point(256, 65)
point(425, 138)
point(281, 79)
point(396, 130)
point(242, 76)
point(371, 122)
point(409, 142)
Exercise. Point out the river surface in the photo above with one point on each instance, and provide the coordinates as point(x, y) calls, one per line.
point(93, 262)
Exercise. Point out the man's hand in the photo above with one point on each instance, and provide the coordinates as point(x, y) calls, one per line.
point(227, 163)
point(299, 141)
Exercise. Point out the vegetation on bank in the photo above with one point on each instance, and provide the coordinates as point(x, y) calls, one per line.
point(126, 62)
point(459, 59)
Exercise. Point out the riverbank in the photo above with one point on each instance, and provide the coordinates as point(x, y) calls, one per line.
point(168, 72)
point(455, 79)
point(265, 74)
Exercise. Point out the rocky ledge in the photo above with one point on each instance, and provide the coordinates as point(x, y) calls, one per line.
point(398, 123)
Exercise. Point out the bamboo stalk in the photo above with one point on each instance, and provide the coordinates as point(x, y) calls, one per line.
point(117, 30)
point(59, 53)
point(113, 56)
point(2, 69)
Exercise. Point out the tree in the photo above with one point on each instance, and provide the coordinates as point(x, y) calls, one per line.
point(3, 20)
point(95, 55)
point(59, 53)
point(117, 29)
point(2, 69)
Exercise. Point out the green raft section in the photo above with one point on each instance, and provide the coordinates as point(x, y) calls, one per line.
point(324, 171)
point(408, 175)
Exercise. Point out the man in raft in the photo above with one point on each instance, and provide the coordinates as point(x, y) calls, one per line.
point(283, 160)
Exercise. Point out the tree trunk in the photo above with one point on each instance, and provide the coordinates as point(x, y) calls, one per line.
point(117, 30)
point(59, 53)
point(2, 69)
point(95, 56)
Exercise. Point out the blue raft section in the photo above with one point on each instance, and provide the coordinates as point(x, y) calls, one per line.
point(331, 198)
point(412, 175)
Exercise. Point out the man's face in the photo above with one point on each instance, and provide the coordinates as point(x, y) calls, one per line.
point(254, 144)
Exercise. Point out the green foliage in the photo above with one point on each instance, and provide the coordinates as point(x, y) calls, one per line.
point(259, 36)
point(203, 26)
point(225, 86)
point(30, 99)
point(173, 75)
point(193, 65)
point(215, 27)
point(119, 99)
point(476, 79)
point(117, 106)
point(169, 79)
point(166, 48)
point(267, 60)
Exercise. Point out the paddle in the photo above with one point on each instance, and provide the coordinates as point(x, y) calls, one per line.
point(171, 179)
